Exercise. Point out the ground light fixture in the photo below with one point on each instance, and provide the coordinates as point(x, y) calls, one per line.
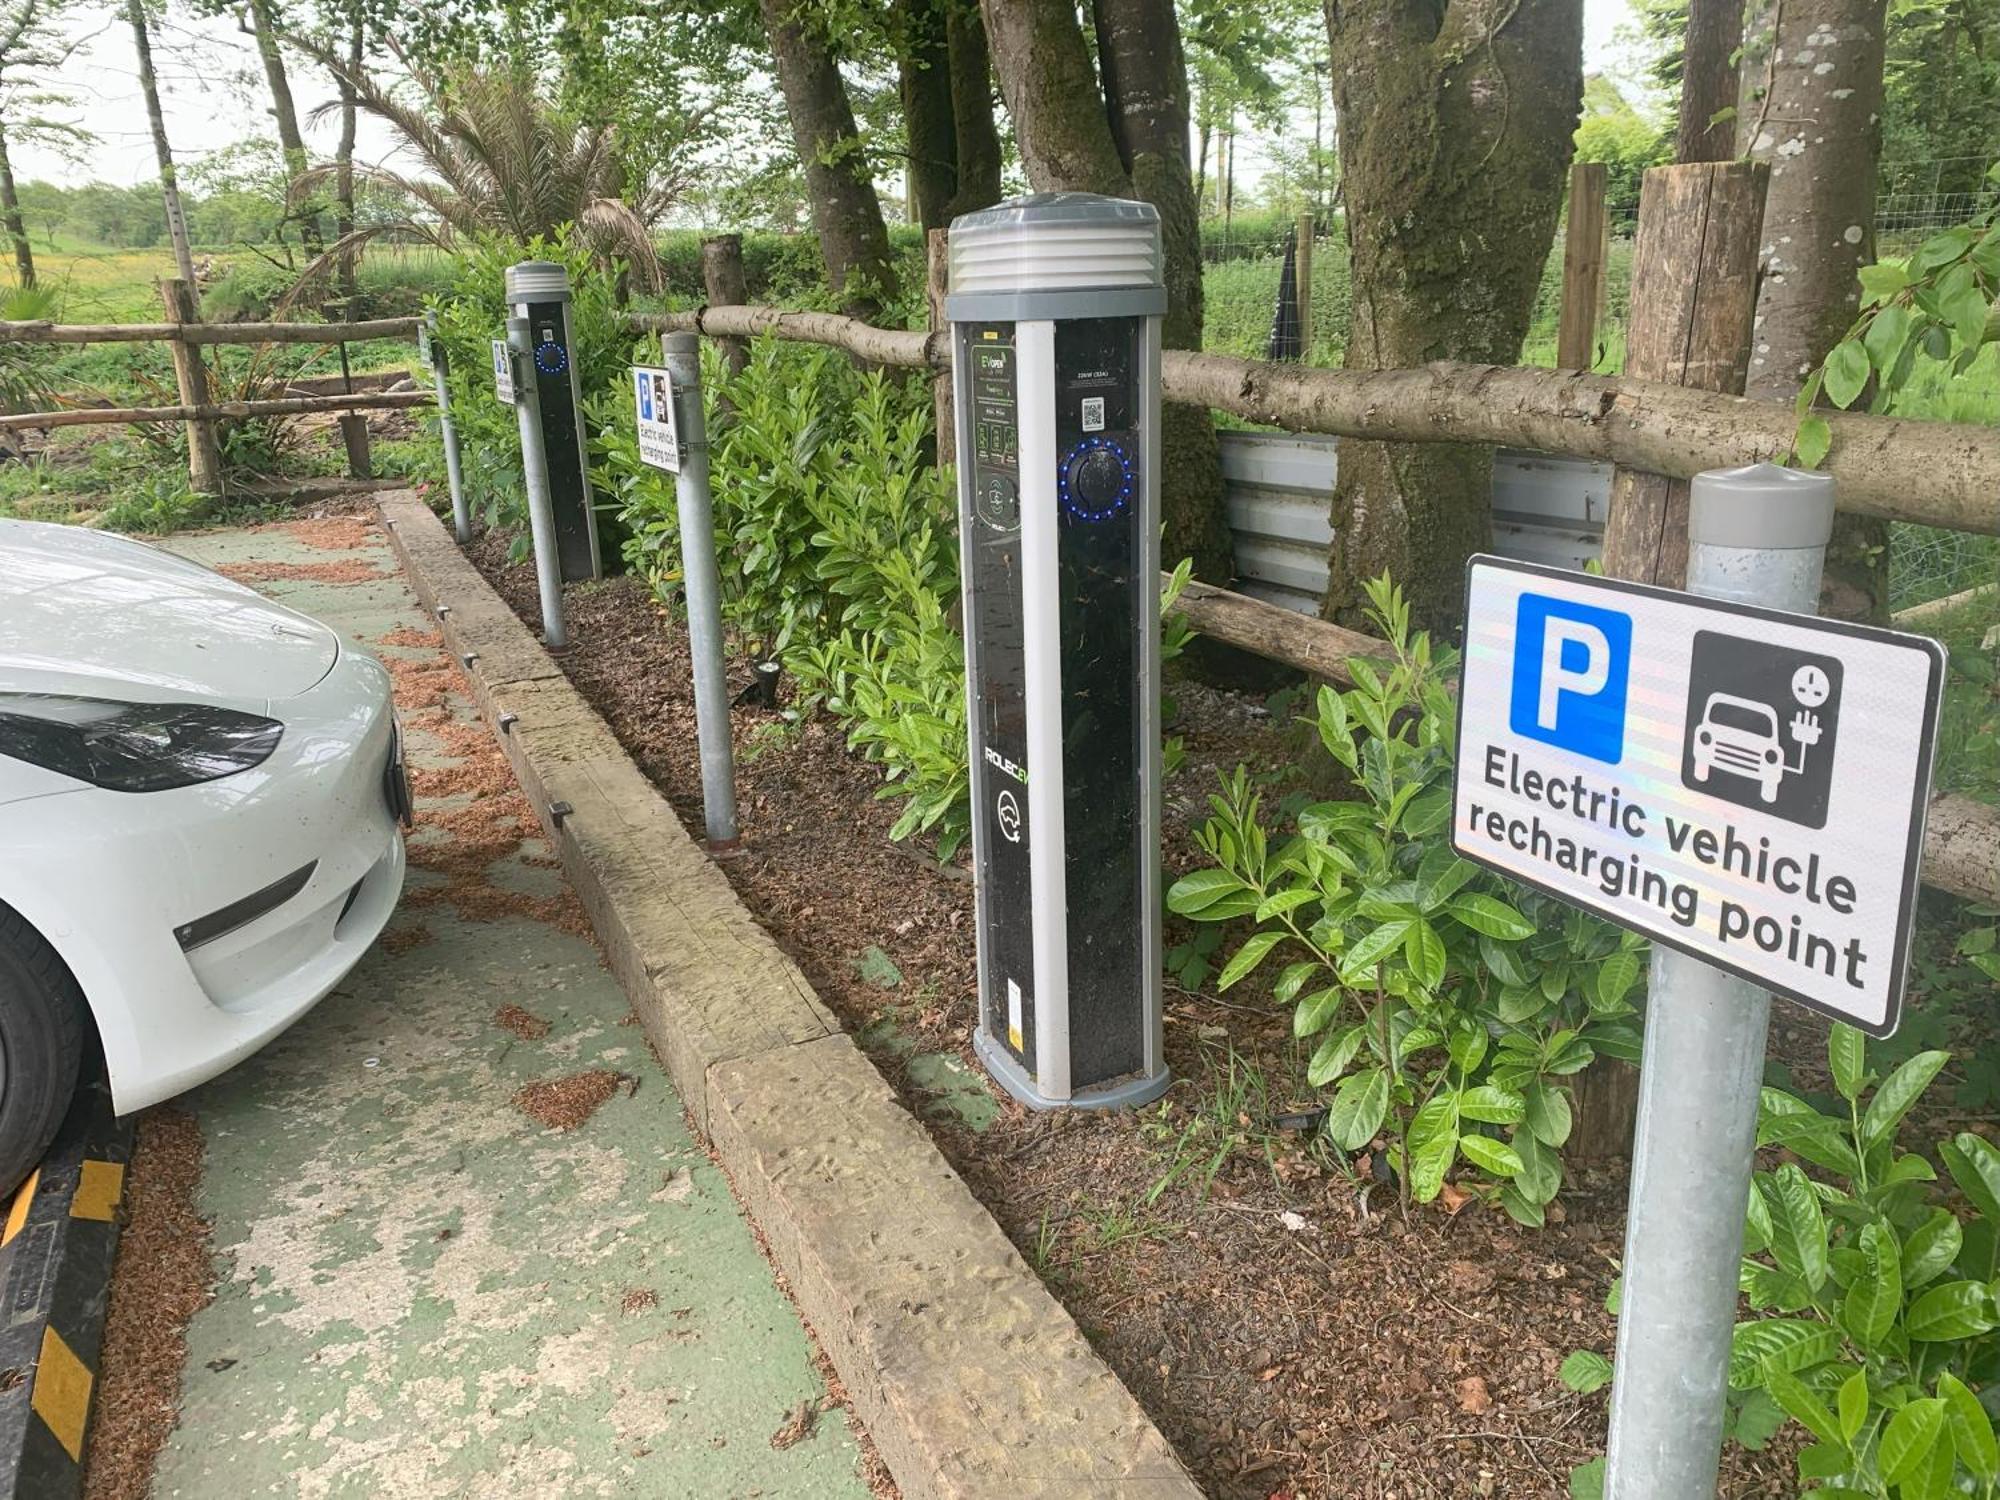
point(1055, 303)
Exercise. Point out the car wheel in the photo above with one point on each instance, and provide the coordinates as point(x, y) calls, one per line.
point(41, 1046)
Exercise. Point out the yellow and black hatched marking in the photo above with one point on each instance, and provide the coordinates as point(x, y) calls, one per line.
point(57, 1242)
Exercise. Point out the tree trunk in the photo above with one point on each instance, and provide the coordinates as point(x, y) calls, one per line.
point(1455, 140)
point(1146, 98)
point(846, 214)
point(973, 130)
point(1708, 81)
point(923, 75)
point(1812, 108)
point(170, 192)
point(10, 214)
point(1051, 91)
point(343, 159)
point(264, 28)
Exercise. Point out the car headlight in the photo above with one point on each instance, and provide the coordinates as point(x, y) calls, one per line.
point(133, 747)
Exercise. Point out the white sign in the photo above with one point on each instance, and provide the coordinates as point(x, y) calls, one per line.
point(503, 370)
point(653, 399)
point(1742, 784)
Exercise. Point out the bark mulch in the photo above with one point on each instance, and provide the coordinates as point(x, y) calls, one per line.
point(1292, 1331)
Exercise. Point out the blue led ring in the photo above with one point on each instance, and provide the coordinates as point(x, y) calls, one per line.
point(1076, 509)
point(551, 358)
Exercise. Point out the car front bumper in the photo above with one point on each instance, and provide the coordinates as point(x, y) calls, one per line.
point(118, 882)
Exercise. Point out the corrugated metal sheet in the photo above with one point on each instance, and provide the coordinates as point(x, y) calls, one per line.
point(1277, 485)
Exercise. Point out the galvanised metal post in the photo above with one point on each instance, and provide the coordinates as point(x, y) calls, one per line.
point(681, 354)
point(1755, 536)
point(461, 510)
point(535, 473)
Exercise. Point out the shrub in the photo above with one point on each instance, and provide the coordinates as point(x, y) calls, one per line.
point(1450, 1004)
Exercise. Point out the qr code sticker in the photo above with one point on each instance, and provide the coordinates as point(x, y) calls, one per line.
point(1093, 414)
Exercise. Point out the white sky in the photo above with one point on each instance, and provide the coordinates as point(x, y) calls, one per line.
point(213, 95)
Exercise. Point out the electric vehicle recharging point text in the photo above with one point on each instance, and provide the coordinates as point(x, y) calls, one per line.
point(538, 291)
point(1055, 303)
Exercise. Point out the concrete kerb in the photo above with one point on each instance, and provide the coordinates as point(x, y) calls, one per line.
point(972, 1379)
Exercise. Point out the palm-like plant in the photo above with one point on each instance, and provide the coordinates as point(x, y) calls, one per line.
point(498, 157)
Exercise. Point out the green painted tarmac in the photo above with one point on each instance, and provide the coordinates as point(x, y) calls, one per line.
point(422, 1292)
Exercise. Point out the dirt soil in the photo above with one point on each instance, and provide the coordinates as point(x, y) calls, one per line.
point(1292, 1333)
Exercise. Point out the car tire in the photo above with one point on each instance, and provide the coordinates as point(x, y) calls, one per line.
point(41, 1047)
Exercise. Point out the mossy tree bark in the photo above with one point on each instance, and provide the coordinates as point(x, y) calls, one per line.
point(846, 214)
point(1456, 122)
point(923, 79)
point(1706, 130)
point(975, 138)
point(1811, 107)
point(1128, 138)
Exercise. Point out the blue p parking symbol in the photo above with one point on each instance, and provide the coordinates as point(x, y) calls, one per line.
point(1571, 662)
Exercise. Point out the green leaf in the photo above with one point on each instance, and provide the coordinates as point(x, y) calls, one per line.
point(1876, 1296)
point(1853, 1404)
point(1756, 1420)
point(1586, 1481)
point(1909, 1438)
point(1293, 979)
point(1803, 1406)
point(1882, 282)
point(1931, 1248)
point(1800, 1240)
point(1497, 1157)
point(1540, 1177)
point(1493, 917)
point(1316, 1010)
point(1358, 963)
point(1788, 1344)
point(1955, 1310)
point(1585, 1372)
point(1358, 1107)
point(1467, 1049)
point(1615, 978)
point(1441, 875)
point(1758, 1230)
point(1847, 371)
point(1432, 1142)
point(1503, 961)
point(1193, 894)
point(1426, 813)
point(1971, 1429)
point(1899, 1091)
point(1811, 442)
point(1334, 1054)
point(1887, 332)
point(1280, 902)
point(1252, 953)
point(1974, 1165)
point(1547, 1113)
point(1491, 1105)
point(1846, 1053)
point(1423, 951)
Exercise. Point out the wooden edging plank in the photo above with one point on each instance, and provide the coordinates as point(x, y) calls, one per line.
point(971, 1378)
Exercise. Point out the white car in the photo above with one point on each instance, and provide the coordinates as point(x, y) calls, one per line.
point(201, 794)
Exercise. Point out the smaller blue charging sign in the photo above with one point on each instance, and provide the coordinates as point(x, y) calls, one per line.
point(1742, 784)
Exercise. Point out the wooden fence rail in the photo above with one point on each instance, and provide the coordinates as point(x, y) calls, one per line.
point(1932, 473)
point(207, 333)
point(1636, 423)
point(210, 411)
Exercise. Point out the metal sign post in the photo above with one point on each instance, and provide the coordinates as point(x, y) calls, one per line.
point(440, 362)
point(1747, 786)
point(507, 358)
point(673, 436)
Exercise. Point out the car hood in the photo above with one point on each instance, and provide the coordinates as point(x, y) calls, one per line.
point(93, 614)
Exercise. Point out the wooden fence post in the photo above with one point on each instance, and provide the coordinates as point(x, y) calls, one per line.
point(1583, 268)
point(1694, 302)
point(1694, 295)
point(191, 375)
point(722, 278)
point(1303, 269)
point(937, 277)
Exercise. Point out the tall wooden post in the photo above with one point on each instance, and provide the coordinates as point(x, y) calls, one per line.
point(937, 278)
point(1694, 293)
point(1303, 266)
point(1583, 267)
point(191, 375)
point(722, 278)
point(1694, 301)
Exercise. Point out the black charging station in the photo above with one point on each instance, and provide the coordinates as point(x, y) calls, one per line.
point(538, 292)
point(1055, 303)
